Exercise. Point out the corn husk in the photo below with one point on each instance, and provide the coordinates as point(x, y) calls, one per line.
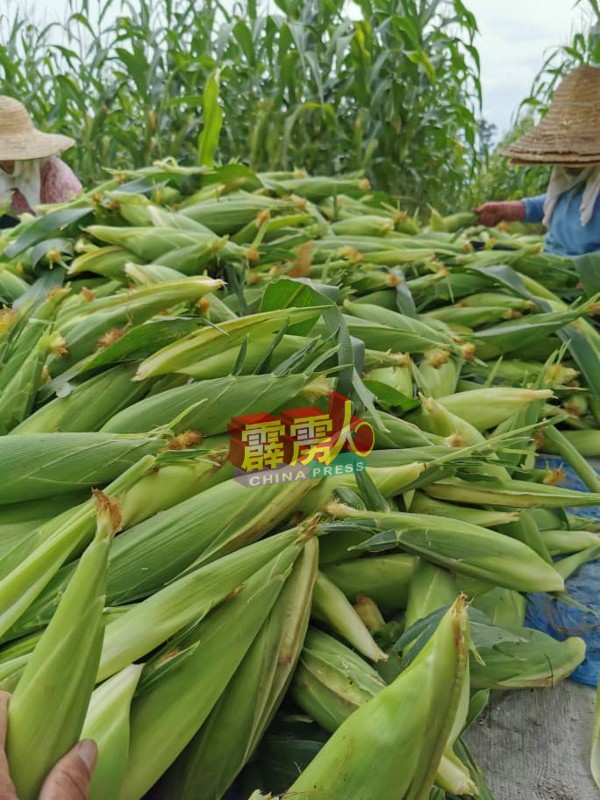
point(384, 578)
point(461, 547)
point(48, 707)
point(409, 745)
point(45, 465)
point(184, 694)
point(535, 660)
point(107, 723)
point(332, 607)
point(226, 741)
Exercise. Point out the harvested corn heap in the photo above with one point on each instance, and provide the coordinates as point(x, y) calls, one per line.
point(350, 623)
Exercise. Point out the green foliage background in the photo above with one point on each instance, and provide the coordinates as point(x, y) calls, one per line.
point(392, 89)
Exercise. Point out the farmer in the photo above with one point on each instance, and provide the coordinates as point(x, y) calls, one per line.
point(568, 139)
point(30, 170)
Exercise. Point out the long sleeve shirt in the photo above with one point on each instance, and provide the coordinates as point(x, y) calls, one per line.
point(566, 235)
point(58, 184)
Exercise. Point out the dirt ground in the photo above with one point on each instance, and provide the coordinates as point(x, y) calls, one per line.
point(535, 744)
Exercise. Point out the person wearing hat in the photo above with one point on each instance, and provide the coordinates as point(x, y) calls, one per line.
point(31, 173)
point(568, 139)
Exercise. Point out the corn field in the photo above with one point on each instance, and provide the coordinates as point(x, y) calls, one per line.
point(393, 91)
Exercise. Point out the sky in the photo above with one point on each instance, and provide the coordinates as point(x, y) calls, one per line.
point(514, 37)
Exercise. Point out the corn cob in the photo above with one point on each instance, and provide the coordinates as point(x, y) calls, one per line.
point(250, 358)
point(26, 571)
point(521, 373)
point(82, 410)
point(464, 548)
point(108, 261)
point(469, 318)
point(565, 448)
point(43, 465)
point(384, 298)
point(561, 543)
point(13, 660)
point(512, 494)
point(150, 243)
point(368, 610)
point(144, 213)
point(411, 335)
point(430, 589)
point(11, 286)
point(316, 188)
point(525, 529)
point(508, 337)
point(399, 378)
point(385, 579)
point(422, 504)
point(452, 222)
point(186, 692)
point(570, 564)
point(498, 299)
point(147, 489)
point(331, 681)
point(48, 707)
point(230, 214)
point(419, 736)
point(486, 408)
point(211, 403)
point(458, 432)
point(535, 659)
point(137, 629)
point(183, 355)
point(107, 723)
point(331, 606)
point(20, 521)
point(504, 607)
point(400, 433)
point(390, 481)
point(83, 332)
point(151, 274)
point(122, 345)
point(189, 599)
point(18, 396)
point(135, 571)
point(438, 373)
point(367, 225)
point(195, 258)
point(226, 741)
point(25, 332)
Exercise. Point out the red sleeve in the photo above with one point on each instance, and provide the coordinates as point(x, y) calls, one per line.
point(59, 182)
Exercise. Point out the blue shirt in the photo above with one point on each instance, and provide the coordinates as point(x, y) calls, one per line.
point(566, 235)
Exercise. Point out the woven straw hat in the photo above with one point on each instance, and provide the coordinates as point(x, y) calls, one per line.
point(569, 134)
point(20, 140)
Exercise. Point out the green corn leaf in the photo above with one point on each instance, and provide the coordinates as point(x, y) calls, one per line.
point(208, 141)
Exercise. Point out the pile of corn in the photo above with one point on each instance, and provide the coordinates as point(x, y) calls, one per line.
point(319, 638)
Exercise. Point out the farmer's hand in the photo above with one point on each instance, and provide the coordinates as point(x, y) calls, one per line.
point(68, 780)
point(491, 214)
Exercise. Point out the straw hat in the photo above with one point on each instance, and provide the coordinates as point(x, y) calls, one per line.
point(569, 134)
point(20, 140)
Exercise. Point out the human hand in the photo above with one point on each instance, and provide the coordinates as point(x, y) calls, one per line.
point(491, 214)
point(69, 778)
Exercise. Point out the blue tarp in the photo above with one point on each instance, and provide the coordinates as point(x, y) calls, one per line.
point(561, 620)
